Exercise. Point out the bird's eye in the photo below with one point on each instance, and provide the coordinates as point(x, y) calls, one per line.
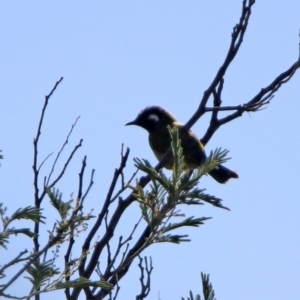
point(153, 117)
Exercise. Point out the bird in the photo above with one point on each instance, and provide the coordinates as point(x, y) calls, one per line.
point(155, 120)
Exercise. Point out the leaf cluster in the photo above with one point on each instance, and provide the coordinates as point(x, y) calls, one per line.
point(28, 213)
point(72, 220)
point(160, 203)
point(207, 289)
point(40, 272)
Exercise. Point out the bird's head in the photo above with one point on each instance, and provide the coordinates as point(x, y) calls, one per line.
point(153, 117)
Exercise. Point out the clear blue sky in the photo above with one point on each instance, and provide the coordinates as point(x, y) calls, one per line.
point(118, 57)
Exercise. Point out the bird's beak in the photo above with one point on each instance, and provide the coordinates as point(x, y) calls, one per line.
point(131, 123)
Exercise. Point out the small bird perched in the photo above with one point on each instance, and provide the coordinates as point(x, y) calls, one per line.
point(155, 120)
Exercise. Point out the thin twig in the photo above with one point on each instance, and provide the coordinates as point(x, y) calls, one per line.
point(61, 150)
point(44, 161)
point(145, 284)
point(108, 273)
point(90, 185)
point(123, 187)
point(65, 166)
point(262, 98)
point(16, 260)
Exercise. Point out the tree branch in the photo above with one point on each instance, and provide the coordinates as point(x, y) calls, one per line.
point(35, 157)
point(214, 91)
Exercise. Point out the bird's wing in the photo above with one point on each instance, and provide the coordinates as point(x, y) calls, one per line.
point(193, 150)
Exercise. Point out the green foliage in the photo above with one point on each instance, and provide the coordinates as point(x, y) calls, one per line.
point(159, 207)
point(160, 203)
point(72, 219)
point(43, 275)
point(208, 291)
point(62, 207)
point(40, 273)
point(83, 282)
point(27, 213)
point(196, 297)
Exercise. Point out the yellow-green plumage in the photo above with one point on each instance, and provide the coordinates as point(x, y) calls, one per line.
point(193, 150)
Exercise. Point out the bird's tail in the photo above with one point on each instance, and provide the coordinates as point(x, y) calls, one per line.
point(223, 174)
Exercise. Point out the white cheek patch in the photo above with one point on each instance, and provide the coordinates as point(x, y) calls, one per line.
point(153, 117)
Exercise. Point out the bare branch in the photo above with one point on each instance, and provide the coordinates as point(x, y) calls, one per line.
point(236, 40)
point(16, 260)
point(108, 273)
point(44, 161)
point(145, 284)
point(108, 235)
point(65, 166)
point(90, 185)
point(61, 150)
point(36, 140)
point(124, 187)
point(35, 158)
point(255, 104)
